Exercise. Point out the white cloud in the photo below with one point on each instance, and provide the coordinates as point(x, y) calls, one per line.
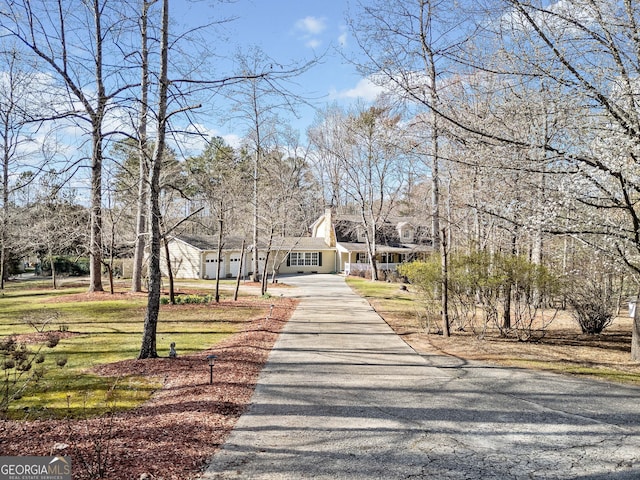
point(364, 89)
point(342, 40)
point(311, 25)
point(193, 139)
point(309, 28)
point(233, 140)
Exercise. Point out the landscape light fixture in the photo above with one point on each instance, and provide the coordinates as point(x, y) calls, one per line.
point(212, 360)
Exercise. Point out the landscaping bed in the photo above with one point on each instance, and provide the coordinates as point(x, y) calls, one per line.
point(561, 347)
point(172, 435)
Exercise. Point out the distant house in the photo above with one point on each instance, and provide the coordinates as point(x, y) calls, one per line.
point(196, 256)
point(398, 240)
point(336, 244)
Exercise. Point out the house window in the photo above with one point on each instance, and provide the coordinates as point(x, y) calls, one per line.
point(300, 259)
point(407, 233)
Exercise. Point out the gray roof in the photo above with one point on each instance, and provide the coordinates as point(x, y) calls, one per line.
point(210, 242)
point(391, 219)
point(299, 243)
point(404, 248)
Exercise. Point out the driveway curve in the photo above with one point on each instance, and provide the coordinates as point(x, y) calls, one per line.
point(343, 397)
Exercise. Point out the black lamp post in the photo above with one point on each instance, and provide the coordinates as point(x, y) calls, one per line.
point(211, 359)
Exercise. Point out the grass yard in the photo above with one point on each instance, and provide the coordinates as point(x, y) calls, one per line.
point(563, 348)
point(97, 329)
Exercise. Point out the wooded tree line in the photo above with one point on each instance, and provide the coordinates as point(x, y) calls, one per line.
point(512, 126)
point(112, 75)
point(529, 115)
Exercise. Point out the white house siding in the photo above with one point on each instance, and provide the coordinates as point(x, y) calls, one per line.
point(185, 260)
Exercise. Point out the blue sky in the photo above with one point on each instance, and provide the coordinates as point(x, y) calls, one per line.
point(288, 31)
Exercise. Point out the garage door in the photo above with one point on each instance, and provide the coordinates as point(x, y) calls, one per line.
point(234, 267)
point(211, 267)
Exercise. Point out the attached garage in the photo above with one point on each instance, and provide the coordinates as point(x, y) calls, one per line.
point(197, 257)
point(211, 266)
point(234, 264)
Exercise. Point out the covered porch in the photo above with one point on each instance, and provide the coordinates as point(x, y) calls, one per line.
point(354, 257)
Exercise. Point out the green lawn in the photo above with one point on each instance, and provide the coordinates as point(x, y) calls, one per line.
point(387, 297)
point(104, 330)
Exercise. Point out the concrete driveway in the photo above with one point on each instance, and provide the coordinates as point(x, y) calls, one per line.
point(343, 397)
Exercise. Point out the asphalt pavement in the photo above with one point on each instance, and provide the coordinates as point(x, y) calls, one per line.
point(343, 397)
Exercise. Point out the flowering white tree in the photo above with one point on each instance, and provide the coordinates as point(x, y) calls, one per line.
point(548, 90)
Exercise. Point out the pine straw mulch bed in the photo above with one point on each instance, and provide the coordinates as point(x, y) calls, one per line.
point(561, 347)
point(171, 436)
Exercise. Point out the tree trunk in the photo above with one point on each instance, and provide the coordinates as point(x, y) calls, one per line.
point(5, 207)
point(263, 287)
point(95, 250)
point(110, 274)
point(148, 347)
point(256, 261)
point(141, 231)
point(235, 293)
point(219, 256)
point(53, 270)
point(370, 239)
point(143, 171)
point(112, 243)
point(3, 261)
point(172, 292)
point(620, 294)
point(265, 276)
point(635, 332)
point(372, 261)
point(444, 260)
point(506, 314)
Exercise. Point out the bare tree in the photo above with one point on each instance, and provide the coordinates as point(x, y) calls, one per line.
point(257, 101)
point(218, 176)
point(588, 54)
point(366, 143)
point(148, 347)
point(143, 160)
point(326, 127)
point(409, 45)
point(16, 110)
point(54, 224)
point(184, 88)
point(49, 29)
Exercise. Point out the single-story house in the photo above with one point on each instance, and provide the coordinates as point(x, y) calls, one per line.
point(196, 256)
point(336, 244)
